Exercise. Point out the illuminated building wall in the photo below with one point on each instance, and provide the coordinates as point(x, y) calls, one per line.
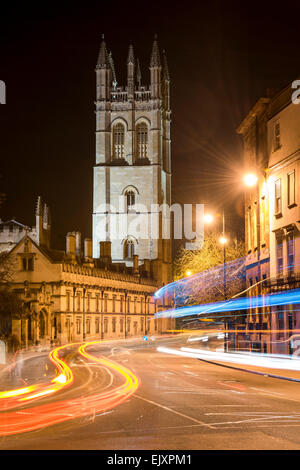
point(272, 215)
point(133, 161)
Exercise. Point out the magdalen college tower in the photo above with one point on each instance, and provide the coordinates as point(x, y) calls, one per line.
point(132, 173)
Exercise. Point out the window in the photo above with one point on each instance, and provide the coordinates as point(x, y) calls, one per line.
point(279, 256)
point(121, 326)
point(142, 140)
point(88, 302)
point(105, 325)
point(105, 302)
point(118, 141)
point(78, 302)
point(27, 263)
point(291, 188)
point(130, 200)
point(290, 253)
point(114, 304)
point(78, 328)
point(88, 326)
point(278, 196)
point(277, 144)
point(142, 324)
point(113, 325)
point(128, 249)
point(128, 324)
point(68, 301)
point(280, 320)
point(121, 304)
point(97, 322)
point(97, 302)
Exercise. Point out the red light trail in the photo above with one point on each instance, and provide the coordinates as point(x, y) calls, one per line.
point(36, 417)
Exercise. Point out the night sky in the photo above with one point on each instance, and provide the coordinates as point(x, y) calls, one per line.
point(222, 57)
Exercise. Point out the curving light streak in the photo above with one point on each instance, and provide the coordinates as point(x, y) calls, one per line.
point(257, 359)
point(57, 412)
point(12, 398)
point(282, 298)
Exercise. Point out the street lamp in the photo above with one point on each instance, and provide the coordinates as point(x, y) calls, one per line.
point(188, 272)
point(250, 179)
point(208, 218)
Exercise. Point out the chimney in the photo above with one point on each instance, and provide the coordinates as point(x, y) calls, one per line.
point(70, 244)
point(88, 248)
point(135, 264)
point(147, 267)
point(78, 243)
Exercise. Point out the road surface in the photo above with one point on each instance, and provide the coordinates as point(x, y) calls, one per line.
point(181, 403)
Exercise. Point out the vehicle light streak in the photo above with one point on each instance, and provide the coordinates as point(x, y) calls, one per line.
point(257, 359)
point(12, 398)
point(41, 416)
point(283, 298)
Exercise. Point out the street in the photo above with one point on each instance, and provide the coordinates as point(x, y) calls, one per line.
point(181, 403)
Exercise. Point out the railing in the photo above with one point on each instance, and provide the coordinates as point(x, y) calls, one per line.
point(106, 274)
point(122, 96)
point(119, 96)
point(142, 95)
point(278, 283)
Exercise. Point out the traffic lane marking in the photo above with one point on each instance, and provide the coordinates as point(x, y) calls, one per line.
point(175, 412)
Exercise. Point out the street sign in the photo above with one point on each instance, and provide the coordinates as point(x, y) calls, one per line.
point(145, 338)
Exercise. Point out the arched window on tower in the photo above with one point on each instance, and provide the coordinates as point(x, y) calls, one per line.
point(118, 141)
point(128, 248)
point(142, 140)
point(130, 200)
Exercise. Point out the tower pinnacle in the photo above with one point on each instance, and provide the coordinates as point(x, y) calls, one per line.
point(103, 61)
point(155, 59)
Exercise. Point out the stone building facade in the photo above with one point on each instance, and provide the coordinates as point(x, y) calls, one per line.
point(132, 172)
point(68, 296)
point(271, 139)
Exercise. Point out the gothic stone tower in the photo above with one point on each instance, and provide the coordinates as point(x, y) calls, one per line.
point(133, 163)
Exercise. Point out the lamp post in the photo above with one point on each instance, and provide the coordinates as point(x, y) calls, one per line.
point(125, 311)
point(223, 241)
point(83, 308)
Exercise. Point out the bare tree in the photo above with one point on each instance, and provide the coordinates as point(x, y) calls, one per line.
point(202, 272)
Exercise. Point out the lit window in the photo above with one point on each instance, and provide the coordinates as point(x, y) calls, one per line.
point(278, 196)
point(118, 141)
point(277, 144)
point(142, 140)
